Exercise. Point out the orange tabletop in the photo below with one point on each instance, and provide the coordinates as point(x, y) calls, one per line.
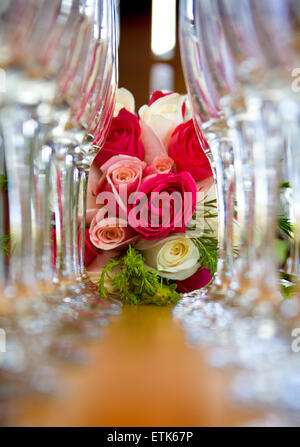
point(143, 373)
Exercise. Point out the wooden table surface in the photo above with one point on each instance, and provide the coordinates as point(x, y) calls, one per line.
point(143, 373)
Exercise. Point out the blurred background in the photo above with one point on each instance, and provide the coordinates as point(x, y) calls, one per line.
point(149, 56)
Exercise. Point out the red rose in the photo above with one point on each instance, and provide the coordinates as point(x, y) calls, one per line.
point(198, 280)
point(164, 204)
point(188, 154)
point(156, 95)
point(123, 138)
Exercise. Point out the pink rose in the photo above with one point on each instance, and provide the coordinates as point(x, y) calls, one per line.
point(163, 165)
point(153, 145)
point(108, 233)
point(164, 204)
point(188, 154)
point(122, 175)
point(160, 165)
point(123, 138)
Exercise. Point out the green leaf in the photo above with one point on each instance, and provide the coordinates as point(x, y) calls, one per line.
point(3, 183)
point(206, 210)
point(5, 243)
point(284, 225)
point(208, 252)
point(106, 273)
point(136, 284)
point(287, 284)
point(284, 185)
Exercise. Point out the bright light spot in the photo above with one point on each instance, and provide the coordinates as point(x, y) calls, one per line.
point(163, 28)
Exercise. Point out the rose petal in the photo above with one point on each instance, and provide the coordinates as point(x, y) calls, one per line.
point(164, 115)
point(200, 279)
point(157, 95)
point(152, 144)
point(206, 185)
point(124, 99)
point(90, 214)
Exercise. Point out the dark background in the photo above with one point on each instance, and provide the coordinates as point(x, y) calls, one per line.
point(135, 57)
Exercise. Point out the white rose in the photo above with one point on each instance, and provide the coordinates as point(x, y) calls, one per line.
point(164, 115)
point(175, 257)
point(124, 99)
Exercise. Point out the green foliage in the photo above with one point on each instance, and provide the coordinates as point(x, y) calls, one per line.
point(3, 183)
point(136, 284)
point(5, 243)
point(209, 212)
point(284, 185)
point(284, 226)
point(208, 252)
point(287, 284)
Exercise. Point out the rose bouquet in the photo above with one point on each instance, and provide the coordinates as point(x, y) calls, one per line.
point(151, 206)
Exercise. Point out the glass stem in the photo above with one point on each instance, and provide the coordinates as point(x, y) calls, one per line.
point(266, 150)
point(290, 112)
point(19, 135)
point(63, 213)
point(258, 144)
point(75, 200)
point(44, 217)
point(242, 136)
point(82, 220)
point(221, 149)
point(3, 233)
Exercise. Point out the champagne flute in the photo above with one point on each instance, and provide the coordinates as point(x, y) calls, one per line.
point(30, 87)
point(248, 130)
point(207, 82)
point(87, 124)
point(33, 53)
point(36, 52)
point(262, 63)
